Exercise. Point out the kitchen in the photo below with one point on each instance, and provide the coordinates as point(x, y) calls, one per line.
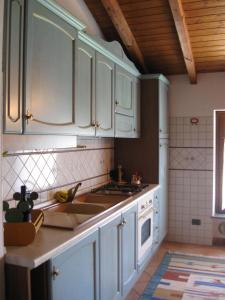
point(61, 159)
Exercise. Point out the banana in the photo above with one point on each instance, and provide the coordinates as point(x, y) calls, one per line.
point(61, 196)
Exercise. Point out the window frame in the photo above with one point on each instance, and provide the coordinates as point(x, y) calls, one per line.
point(218, 155)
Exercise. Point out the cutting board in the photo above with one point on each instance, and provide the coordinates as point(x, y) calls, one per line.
point(64, 220)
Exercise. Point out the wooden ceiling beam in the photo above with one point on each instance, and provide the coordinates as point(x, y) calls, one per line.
point(119, 21)
point(183, 35)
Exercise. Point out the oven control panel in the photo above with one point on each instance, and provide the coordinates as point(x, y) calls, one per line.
point(145, 202)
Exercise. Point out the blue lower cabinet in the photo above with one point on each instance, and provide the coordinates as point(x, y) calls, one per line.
point(75, 273)
point(110, 260)
point(118, 255)
point(129, 249)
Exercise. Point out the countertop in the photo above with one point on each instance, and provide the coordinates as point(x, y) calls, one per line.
point(51, 242)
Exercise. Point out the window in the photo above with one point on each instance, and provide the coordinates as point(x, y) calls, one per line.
point(219, 161)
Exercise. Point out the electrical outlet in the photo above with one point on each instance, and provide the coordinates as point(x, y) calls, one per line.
point(196, 222)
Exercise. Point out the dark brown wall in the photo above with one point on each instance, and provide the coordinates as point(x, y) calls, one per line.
point(141, 155)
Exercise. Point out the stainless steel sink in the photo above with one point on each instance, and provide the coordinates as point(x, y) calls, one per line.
point(83, 208)
point(103, 200)
point(76, 208)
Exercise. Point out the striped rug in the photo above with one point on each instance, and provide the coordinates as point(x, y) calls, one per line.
point(188, 278)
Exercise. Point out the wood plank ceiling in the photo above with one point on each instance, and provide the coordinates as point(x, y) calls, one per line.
point(154, 28)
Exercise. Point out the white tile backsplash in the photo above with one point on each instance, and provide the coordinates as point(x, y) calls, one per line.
point(47, 171)
point(190, 180)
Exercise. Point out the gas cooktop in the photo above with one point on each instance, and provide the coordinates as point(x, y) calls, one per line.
point(118, 189)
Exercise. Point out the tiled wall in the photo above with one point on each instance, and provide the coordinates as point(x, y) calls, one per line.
point(46, 172)
point(190, 180)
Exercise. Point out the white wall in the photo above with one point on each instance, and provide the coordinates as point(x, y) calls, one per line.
point(1, 231)
point(79, 9)
point(199, 99)
point(191, 155)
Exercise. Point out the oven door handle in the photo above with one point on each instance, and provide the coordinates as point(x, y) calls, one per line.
point(146, 214)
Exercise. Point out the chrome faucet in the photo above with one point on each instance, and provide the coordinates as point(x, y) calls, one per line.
point(72, 192)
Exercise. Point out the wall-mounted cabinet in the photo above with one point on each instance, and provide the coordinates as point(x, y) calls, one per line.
point(127, 124)
point(104, 96)
point(50, 72)
point(124, 92)
point(13, 66)
point(58, 80)
point(85, 90)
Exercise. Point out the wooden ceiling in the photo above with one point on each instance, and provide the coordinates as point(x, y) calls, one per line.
point(173, 36)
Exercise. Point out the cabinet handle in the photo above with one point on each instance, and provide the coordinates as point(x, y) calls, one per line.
point(88, 126)
point(55, 272)
point(28, 116)
point(124, 222)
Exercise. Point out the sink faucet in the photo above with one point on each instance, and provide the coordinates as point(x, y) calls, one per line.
point(72, 192)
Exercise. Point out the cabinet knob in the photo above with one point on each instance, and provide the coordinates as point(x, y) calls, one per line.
point(124, 222)
point(134, 129)
point(116, 102)
point(55, 272)
point(28, 116)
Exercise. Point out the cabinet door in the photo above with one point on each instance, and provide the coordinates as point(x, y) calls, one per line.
point(124, 92)
point(124, 126)
point(13, 69)
point(75, 273)
point(104, 96)
point(163, 194)
point(50, 72)
point(163, 110)
point(137, 109)
point(110, 260)
point(85, 90)
point(129, 248)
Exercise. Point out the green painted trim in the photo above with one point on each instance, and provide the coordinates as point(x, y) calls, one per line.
point(156, 76)
point(59, 11)
point(91, 42)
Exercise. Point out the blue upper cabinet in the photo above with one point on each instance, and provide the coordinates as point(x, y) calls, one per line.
point(13, 66)
point(104, 83)
point(124, 92)
point(50, 72)
point(75, 273)
point(59, 80)
point(85, 90)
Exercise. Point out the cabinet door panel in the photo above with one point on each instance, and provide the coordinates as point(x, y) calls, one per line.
point(129, 249)
point(14, 67)
point(110, 260)
point(78, 271)
point(124, 92)
point(104, 96)
point(85, 89)
point(124, 126)
point(50, 73)
point(163, 192)
point(163, 110)
point(137, 109)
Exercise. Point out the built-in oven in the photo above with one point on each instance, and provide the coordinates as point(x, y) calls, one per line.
point(145, 225)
